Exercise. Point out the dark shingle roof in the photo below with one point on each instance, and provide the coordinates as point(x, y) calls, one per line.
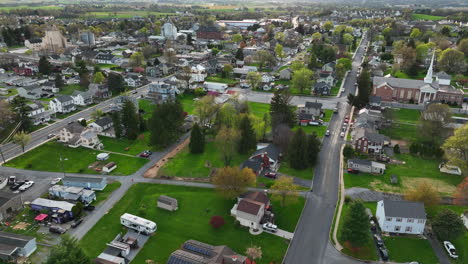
point(360, 161)
point(249, 207)
point(272, 151)
point(102, 122)
point(254, 164)
point(313, 105)
point(16, 240)
point(404, 209)
point(256, 196)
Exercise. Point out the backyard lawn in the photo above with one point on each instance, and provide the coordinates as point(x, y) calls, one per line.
point(147, 106)
point(403, 249)
point(188, 165)
point(190, 221)
point(414, 171)
point(403, 75)
point(319, 130)
point(307, 174)
point(135, 147)
point(188, 104)
point(47, 158)
point(125, 14)
point(104, 194)
point(402, 132)
point(259, 109)
point(410, 116)
point(69, 89)
point(217, 78)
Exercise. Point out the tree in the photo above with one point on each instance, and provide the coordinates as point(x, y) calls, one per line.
point(264, 58)
point(164, 125)
point(68, 251)
point(22, 138)
point(302, 79)
point(44, 66)
point(313, 148)
point(116, 83)
point(434, 121)
point(254, 252)
point(248, 139)
point(21, 110)
point(347, 63)
point(59, 81)
point(348, 151)
point(316, 37)
point(236, 38)
point(396, 149)
point(356, 225)
point(425, 193)
point(254, 79)
point(340, 71)
point(279, 51)
point(230, 182)
point(463, 46)
point(447, 225)
point(415, 33)
point(84, 80)
point(328, 25)
point(266, 125)
point(96, 114)
point(281, 111)
point(364, 90)
point(185, 75)
point(197, 140)
point(279, 36)
point(296, 65)
point(284, 190)
point(130, 120)
point(313, 63)
point(348, 39)
point(456, 148)
point(460, 197)
point(227, 141)
point(98, 77)
point(117, 123)
point(77, 209)
point(217, 221)
point(297, 153)
point(452, 61)
point(205, 108)
point(227, 70)
point(137, 59)
point(227, 116)
point(240, 54)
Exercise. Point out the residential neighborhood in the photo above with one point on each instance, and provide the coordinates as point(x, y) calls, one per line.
point(237, 132)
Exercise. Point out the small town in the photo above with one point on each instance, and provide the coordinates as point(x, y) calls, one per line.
point(233, 132)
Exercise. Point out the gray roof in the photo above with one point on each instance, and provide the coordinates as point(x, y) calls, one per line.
point(404, 209)
point(397, 82)
point(102, 122)
point(9, 241)
point(83, 179)
point(64, 98)
point(313, 105)
point(360, 161)
point(375, 99)
point(75, 128)
point(167, 200)
point(272, 151)
point(443, 75)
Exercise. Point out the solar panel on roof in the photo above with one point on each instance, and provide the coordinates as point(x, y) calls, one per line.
point(196, 249)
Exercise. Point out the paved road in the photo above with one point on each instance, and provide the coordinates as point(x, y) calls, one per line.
point(311, 240)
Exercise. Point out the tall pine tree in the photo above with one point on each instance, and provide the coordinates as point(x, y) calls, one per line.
point(313, 148)
point(68, 251)
point(117, 123)
point(165, 124)
point(44, 66)
point(240, 54)
point(356, 225)
point(59, 81)
point(280, 109)
point(130, 120)
point(248, 139)
point(298, 158)
point(197, 140)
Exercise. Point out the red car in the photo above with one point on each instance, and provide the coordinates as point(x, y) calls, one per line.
point(353, 171)
point(271, 175)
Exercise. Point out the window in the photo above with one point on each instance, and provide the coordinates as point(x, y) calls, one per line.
point(420, 221)
point(408, 96)
point(402, 93)
point(408, 229)
point(398, 219)
point(389, 219)
point(397, 228)
point(410, 220)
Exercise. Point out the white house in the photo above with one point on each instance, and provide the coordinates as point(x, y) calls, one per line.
point(38, 113)
point(82, 98)
point(75, 135)
point(367, 166)
point(62, 104)
point(103, 126)
point(73, 193)
point(215, 87)
point(250, 209)
point(402, 217)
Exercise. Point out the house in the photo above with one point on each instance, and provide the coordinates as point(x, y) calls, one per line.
point(161, 92)
point(310, 108)
point(103, 126)
point(215, 87)
point(366, 141)
point(15, 245)
point(104, 58)
point(251, 208)
point(329, 67)
point(100, 91)
point(33, 44)
point(196, 252)
point(60, 211)
point(75, 135)
point(88, 182)
point(82, 98)
point(322, 88)
point(72, 193)
point(10, 203)
point(327, 77)
point(366, 166)
point(132, 80)
point(285, 74)
point(375, 101)
point(209, 33)
point(62, 104)
point(265, 159)
point(38, 113)
point(122, 249)
point(109, 167)
point(32, 93)
point(168, 203)
point(401, 217)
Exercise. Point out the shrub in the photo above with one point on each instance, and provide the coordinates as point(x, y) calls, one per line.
point(396, 149)
point(348, 152)
point(217, 221)
point(347, 199)
point(29, 166)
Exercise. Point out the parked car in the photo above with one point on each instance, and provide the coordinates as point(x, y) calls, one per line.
point(26, 186)
point(378, 240)
point(146, 154)
point(270, 227)
point(327, 133)
point(352, 171)
point(51, 136)
point(314, 123)
point(89, 208)
point(55, 181)
point(383, 253)
point(134, 92)
point(342, 134)
point(271, 175)
point(450, 249)
point(15, 186)
point(76, 223)
point(57, 230)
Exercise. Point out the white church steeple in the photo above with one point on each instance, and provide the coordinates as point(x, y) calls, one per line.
point(428, 78)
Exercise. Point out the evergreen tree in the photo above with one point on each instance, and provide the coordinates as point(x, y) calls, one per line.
point(298, 154)
point(248, 139)
point(143, 123)
point(356, 225)
point(68, 251)
point(240, 54)
point(280, 110)
point(448, 225)
point(313, 148)
point(19, 107)
point(44, 66)
point(59, 81)
point(197, 140)
point(130, 120)
point(165, 123)
point(116, 120)
point(116, 83)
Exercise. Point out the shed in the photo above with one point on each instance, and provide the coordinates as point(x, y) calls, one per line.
point(109, 167)
point(168, 203)
point(102, 156)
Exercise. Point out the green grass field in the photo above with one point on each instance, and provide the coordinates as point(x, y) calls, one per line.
point(410, 116)
point(307, 174)
point(147, 106)
point(426, 17)
point(319, 130)
point(188, 104)
point(69, 89)
point(414, 171)
point(126, 14)
point(190, 221)
point(101, 196)
point(402, 132)
point(119, 145)
point(47, 158)
point(220, 79)
point(186, 164)
point(403, 249)
point(8, 8)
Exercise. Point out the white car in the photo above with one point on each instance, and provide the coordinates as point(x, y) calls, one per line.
point(270, 227)
point(26, 186)
point(55, 181)
point(327, 133)
point(342, 134)
point(450, 249)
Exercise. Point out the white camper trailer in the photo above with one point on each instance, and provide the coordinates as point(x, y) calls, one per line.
point(138, 224)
